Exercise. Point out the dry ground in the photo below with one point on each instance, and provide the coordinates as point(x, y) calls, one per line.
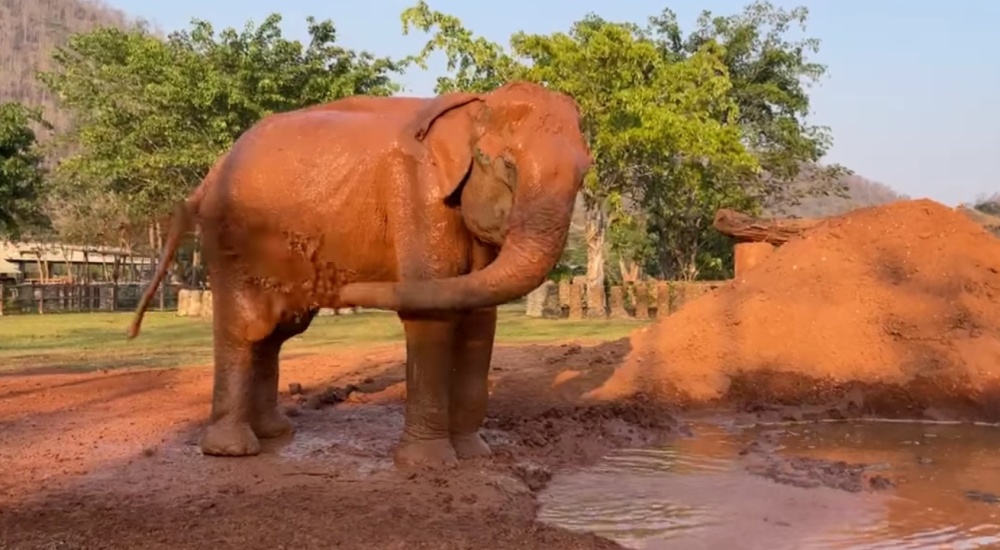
point(98, 439)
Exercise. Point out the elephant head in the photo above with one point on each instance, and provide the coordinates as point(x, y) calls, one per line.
point(513, 160)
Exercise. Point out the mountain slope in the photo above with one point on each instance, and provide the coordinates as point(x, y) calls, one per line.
point(29, 32)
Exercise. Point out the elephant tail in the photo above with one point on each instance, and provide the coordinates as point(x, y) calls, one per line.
point(184, 215)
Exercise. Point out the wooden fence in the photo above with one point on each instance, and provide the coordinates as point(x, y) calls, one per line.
point(571, 299)
point(566, 299)
point(65, 298)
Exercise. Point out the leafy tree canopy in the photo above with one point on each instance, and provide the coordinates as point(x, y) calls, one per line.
point(20, 171)
point(152, 114)
point(663, 128)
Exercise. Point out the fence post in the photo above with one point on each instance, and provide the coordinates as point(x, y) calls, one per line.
point(576, 301)
point(662, 299)
point(616, 303)
point(640, 291)
point(596, 302)
point(564, 292)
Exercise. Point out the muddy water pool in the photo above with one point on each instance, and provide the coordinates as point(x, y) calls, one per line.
point(796, 486)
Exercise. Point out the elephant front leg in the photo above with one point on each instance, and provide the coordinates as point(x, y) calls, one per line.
point(429, 361)
point(469, 382)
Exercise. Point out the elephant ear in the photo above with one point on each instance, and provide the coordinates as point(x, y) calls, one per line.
point(446, 127)
point(426, 117)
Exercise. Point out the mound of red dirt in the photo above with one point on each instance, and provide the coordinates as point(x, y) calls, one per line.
point(892, 309)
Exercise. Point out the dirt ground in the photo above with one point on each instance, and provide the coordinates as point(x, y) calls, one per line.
point(110, 460)
point(888, 310)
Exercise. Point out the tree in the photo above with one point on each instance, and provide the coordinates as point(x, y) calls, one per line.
point(247, 75)
point(20, 171)
point(152, 115)
point(770, 77)
point(655, 122)
point(127, 141)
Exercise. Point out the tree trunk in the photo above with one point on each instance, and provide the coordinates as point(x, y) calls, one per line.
point(595, 231)
point(151, 233)
point(631, 272)
point(196, 260)
point(158, 231)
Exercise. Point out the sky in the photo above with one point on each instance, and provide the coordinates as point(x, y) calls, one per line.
point(910, 95)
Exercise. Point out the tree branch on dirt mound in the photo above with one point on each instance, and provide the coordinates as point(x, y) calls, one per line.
point(746, 228)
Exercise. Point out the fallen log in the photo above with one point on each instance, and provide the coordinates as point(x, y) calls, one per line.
point(746, 228)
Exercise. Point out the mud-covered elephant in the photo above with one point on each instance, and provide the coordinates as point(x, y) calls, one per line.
point(437, 208)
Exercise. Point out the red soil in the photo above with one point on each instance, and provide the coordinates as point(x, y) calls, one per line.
point(889, 310)
point(110, 460)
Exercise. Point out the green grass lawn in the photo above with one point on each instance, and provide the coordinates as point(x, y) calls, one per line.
point(88, 341)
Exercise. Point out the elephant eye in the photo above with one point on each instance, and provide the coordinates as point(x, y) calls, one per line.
point(509, 175)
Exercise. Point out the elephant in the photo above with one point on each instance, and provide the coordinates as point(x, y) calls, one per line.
point(439, 209)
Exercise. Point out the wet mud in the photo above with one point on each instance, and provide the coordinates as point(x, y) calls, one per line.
point(110, 460)
point(828, 485)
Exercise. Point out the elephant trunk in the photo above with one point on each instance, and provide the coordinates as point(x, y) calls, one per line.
point(536, 236)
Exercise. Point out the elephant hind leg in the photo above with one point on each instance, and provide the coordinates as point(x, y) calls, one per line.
point(243, 319)
point(266, 420)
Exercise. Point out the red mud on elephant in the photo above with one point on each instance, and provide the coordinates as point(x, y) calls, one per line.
point(438, 208)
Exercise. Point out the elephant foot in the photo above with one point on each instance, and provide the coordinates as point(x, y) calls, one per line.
point(435, 454)
point(272, 423)
point(229, 439)
point(470, 445)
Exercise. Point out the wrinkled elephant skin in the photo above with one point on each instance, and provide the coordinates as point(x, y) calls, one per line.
point(437, 208)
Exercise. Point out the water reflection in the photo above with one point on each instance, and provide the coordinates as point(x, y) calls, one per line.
point(933, 465)
point(696, 493)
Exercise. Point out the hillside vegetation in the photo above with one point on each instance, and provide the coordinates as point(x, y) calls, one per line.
point(858, 192)
point(30, 30)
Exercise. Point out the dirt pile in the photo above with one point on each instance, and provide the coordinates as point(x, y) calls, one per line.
point(891, 310)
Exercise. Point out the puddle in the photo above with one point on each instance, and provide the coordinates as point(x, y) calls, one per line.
point(698, 493)
point(350, 437)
